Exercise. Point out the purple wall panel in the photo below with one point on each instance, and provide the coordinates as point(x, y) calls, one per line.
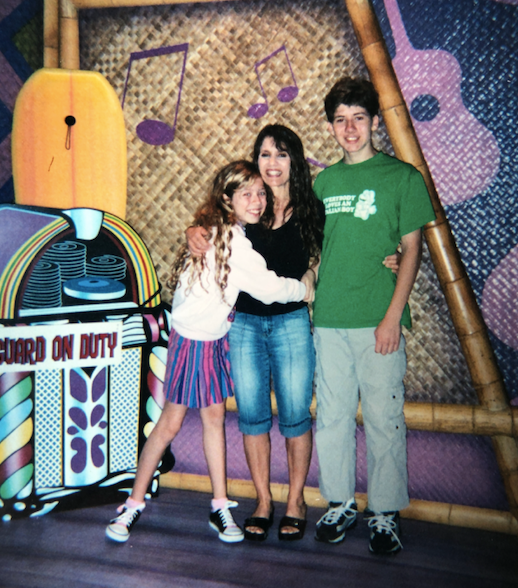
point(457, 469)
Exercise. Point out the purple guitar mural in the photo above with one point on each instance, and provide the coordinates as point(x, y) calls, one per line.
point(448, 133)
point(499, 298)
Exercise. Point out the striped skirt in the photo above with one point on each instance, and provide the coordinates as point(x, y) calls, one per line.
point(197, 372)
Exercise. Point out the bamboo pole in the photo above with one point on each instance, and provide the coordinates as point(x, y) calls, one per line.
point(421, 510)
point(61, 26)
point(51, 33)
point(440, 418)
point(126, 3)
point(68, 35)
point(461, 301)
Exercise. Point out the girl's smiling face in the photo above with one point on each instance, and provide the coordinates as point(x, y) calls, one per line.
point(249, 202)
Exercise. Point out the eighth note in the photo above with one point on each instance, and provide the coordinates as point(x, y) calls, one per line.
point(286, 94)
point(316, 163)
point(156, 132)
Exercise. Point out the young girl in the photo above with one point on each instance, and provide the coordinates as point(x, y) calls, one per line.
point(198, 370)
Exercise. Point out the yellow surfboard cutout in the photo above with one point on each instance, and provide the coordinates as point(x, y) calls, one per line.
point(69, 142)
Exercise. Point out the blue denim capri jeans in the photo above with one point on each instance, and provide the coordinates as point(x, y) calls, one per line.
point(278, 350)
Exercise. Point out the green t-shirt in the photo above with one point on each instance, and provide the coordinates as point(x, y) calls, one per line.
point(369, 207)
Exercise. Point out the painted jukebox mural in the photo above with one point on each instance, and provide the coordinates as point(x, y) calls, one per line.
point(83, 339)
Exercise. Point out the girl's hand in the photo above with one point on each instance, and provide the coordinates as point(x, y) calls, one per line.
point(392, 262)
point(309, 280)
point(197, 241)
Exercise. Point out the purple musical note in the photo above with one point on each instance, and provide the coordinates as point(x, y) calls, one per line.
point(155, 132)
point(316, 163)
point(286, 94)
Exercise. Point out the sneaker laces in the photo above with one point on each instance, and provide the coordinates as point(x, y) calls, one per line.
point(127, 516)
point(333, 514)
point(384, 524)
point(226, 515)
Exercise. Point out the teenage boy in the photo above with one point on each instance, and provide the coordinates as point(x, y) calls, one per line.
point(372, 202)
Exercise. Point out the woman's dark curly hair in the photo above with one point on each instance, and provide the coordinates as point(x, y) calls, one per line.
point(303, 201)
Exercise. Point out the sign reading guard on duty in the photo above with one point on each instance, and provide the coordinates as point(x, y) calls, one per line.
point(68, 345)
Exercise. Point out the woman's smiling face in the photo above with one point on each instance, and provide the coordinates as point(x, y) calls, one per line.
point(274, 164)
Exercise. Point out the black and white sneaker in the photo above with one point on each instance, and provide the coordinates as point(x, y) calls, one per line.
point(385, 533)
point(339, 517)
point(119, 528)
point(222, 521)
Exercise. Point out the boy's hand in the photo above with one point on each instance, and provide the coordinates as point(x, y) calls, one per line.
point(392, 262)
point(197, 241)
point(388, 332)
point(388, 336)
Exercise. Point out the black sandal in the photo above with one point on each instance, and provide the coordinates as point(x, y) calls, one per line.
point(299, 524)
point(262, 523)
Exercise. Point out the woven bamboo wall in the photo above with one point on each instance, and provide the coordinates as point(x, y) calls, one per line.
point(226, 40)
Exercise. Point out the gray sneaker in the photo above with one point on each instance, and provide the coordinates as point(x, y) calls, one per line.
point(339, 517)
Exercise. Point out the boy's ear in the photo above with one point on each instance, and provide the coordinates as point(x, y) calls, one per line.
point(375, 123)
point(330, 128)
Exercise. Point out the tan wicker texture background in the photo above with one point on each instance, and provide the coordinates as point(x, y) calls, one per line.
point(166, 183)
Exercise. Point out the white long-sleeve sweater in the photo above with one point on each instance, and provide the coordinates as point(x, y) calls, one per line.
point(199, 311)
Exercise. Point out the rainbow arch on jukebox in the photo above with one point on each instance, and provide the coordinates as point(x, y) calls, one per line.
point(147, 281)
point(16, 268)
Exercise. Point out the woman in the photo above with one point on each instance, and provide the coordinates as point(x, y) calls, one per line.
point(273, 343)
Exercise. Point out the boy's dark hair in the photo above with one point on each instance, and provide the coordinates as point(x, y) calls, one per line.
point(352, 92)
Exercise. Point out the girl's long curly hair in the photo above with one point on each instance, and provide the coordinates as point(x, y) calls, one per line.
point(303, 201)
point(217, 217)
